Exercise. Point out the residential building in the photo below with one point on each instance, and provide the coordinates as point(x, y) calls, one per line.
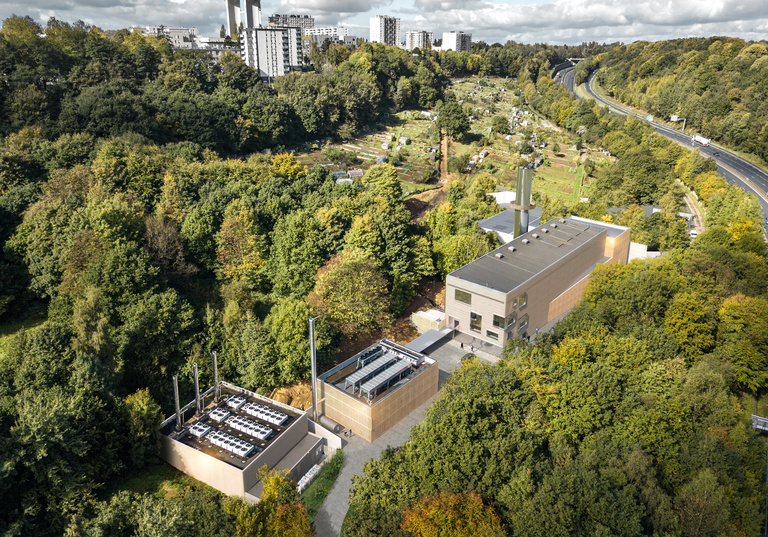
point(385, 30)
point(305, 22)
point(530, 282)
point(189, 39)
point(334, 31)
point(458, 41)
point(179, 38)
point(418, 39)
point(272, 51)
point(242, 14)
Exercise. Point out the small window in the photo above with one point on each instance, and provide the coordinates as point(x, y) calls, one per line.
point(511, 319)
point(523, 300)
point(492, 335)
point(475, 321)
point(463, 296)
point(514, 303)
point(499, 322)
point(523, 323)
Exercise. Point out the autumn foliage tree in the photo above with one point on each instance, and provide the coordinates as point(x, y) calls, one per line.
point(352, 292)
point(451, 514)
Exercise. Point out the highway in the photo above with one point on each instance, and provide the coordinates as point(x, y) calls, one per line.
point(733, 168)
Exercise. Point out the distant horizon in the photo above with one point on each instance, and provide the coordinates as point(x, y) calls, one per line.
point(562, 22)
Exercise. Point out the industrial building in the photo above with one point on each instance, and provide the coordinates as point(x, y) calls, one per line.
point(419, 39)
point(458, 41)
point(227, 434)
point(376, 388)
point(531, 281)
point(385, 30)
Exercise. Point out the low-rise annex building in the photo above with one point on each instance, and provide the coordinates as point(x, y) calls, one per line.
point(227, 438)
point(531, 281)
point(376, 388)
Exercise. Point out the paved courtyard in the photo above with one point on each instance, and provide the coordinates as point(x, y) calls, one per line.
point(358, 451)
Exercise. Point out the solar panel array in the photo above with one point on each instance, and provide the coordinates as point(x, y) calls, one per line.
point(235, 401)
point(265, 413)
point(219, 414)
point(241, 448)
point(249, 427)
point(200, 429)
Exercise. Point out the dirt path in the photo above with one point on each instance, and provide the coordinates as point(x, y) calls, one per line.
point(693, 208)
point(443, 157)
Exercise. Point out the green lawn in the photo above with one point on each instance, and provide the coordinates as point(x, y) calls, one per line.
point(315, 494)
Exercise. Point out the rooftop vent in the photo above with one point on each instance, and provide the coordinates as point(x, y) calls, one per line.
point(499, 255)
point(562, 220)
point(511, 248)
point(545, 230)
point(554, 225)
point(535, 235)
point(526, 241)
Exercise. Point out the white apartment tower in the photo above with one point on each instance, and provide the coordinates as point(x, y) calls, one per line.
point(242, 13)
point(458, 41)
point(272, 51)
point(420, 40)
point(385, 30)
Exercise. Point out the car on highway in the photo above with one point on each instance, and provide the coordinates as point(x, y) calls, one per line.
point(716, 154)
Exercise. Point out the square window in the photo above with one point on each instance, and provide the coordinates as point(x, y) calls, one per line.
point(523, 323)
point(475, 321)
point(523, 300)
point(492, 335)
point(463, 296)
point(499, 322)
point(511, 319)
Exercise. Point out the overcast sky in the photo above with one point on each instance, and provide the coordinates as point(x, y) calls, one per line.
point(525, 21)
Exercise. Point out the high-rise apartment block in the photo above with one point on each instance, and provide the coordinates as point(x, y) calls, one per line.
point(385, 30)
point(242, 14)
point(272, 51)
point(305, 22)
point(419, 40)
point(458, 41)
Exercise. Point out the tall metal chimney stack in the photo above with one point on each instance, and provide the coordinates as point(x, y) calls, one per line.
point(522, 200)
point(313, 358)
point(176, 400)
point(216, 389)
point(198, 406)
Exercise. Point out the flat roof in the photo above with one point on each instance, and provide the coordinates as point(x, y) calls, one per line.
point(514, 263)
point(220, 417)
point(504, 222)
point(371, 375)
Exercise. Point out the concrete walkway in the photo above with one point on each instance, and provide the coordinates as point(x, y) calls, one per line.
point(358, 451)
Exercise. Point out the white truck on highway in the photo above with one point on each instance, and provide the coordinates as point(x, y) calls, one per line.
point(700, 140)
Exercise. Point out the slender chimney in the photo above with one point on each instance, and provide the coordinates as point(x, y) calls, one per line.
point(198, 406)
point(313, 358)
point(216, 390)
point(176, 398)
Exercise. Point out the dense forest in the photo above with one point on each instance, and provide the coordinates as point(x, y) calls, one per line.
point(141, 230)
point(718, 84)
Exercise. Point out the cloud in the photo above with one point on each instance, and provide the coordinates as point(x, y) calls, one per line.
point(525, 21)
